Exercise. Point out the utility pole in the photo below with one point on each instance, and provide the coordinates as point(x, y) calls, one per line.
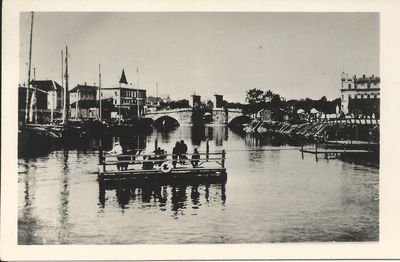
point(29, 75)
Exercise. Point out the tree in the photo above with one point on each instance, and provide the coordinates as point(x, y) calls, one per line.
point(269, 95)
point(254, 96)
point(276, 101)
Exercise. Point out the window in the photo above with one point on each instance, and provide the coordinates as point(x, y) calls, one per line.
point(368, 96)
point(349, 86)
point(362, 96)
point(355, 86)
point(349, 96)
point(368, 85)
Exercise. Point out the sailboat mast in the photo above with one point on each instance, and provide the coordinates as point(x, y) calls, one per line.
point(66, 82)
point(99, 92)
point(62, 87)
point(137, 94)
point(29, 74)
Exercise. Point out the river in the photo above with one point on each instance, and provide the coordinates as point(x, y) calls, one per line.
point(272, 194)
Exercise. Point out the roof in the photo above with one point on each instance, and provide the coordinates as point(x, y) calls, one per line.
point(46, 85)
point(84, 88)
point(123, 78)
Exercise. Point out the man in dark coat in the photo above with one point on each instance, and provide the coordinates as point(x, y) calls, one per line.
point(183, 151)
point(195, 158)
point(175, 153)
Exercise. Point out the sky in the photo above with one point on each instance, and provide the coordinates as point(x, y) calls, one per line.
point(296, 55)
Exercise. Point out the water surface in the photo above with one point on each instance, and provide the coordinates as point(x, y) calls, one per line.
point(272, 195)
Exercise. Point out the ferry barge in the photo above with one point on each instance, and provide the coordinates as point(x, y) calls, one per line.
point(137, 167)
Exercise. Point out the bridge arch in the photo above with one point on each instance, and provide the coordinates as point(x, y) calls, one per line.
point(166, 121)
point(239, 120)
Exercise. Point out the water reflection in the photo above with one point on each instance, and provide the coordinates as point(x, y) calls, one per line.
point(28, 223)
point(178, 197)
point(64, 199)
point(257, 140)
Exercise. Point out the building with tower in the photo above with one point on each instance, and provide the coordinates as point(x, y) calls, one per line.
point(125, 97)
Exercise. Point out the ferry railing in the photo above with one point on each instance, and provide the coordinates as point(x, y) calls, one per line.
point(106, 159)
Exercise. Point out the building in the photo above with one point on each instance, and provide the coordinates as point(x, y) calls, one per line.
point(83, 101)
point(153, 100)
point(268, 115)
point(125, 98)
point(46, 101)
point(360, 95)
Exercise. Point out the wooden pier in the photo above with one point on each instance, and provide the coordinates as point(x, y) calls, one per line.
point(160, 168)
point(333, 152)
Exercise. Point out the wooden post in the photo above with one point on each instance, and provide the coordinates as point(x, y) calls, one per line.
point(316, 151)
point(223, 159)
point(302, 151)
point(100, 155)
point(207, 149)
point(155, 144)
point(102, 159)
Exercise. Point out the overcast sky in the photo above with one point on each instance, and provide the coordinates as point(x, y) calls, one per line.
point(297, 55)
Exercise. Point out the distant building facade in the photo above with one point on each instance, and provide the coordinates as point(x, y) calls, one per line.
point(360, 95)
point(153, 100)
point(47, 99)
point(83, 101)
point(125, 98)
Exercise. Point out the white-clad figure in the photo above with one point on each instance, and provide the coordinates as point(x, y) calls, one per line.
point(117, 149)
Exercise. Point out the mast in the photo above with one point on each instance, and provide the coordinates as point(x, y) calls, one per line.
point(137, 94)
point(100, 92)
point(76, 105)
point(66, 82)
point(119, 105)
point(157, 100)
point(62, 87)
point(29, 75)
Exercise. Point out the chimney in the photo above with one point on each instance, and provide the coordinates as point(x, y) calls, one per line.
point(364, 76)
point(85, 83)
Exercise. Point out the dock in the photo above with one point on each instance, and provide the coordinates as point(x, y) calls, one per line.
point(210, 167)
point(330, 152)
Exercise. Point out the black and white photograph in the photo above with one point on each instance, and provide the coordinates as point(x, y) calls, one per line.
point(197, 127)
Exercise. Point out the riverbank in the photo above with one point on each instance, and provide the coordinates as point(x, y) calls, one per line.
point(318, 131)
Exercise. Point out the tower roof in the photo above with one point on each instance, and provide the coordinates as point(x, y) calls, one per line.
point(123, 78)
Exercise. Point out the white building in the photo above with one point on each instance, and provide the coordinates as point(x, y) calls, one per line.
point(364, 89)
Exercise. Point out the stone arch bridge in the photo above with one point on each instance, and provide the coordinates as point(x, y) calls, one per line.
point(183, 116)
